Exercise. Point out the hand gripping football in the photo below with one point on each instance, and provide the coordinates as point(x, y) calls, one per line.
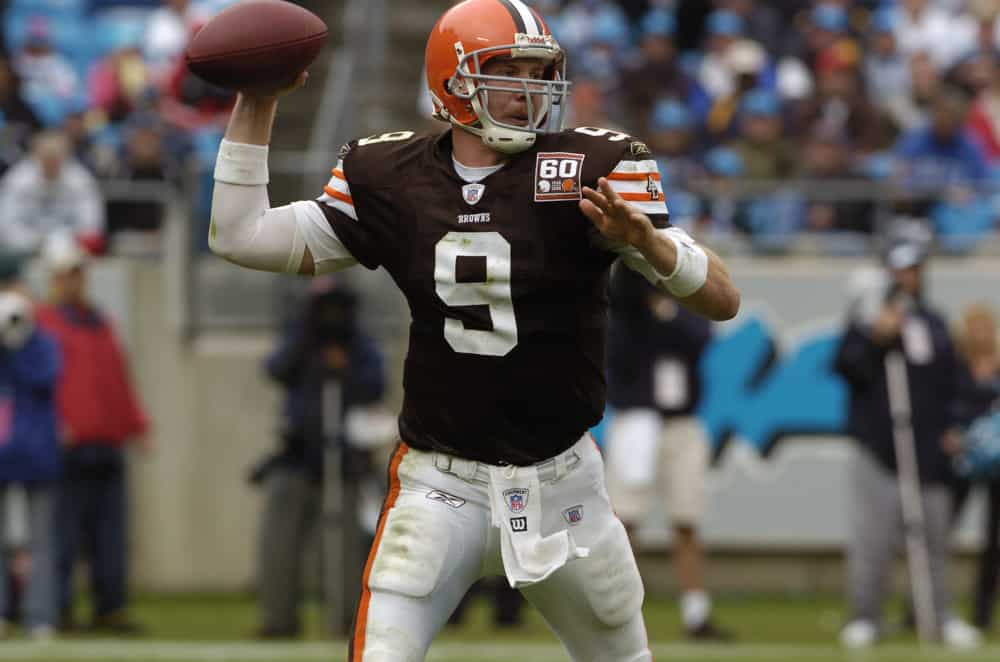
point(256, 45)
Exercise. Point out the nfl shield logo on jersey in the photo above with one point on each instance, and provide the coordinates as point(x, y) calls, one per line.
point(516, 498)
point(473, 193)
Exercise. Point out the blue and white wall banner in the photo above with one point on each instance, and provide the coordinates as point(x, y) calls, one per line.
point(775, 411)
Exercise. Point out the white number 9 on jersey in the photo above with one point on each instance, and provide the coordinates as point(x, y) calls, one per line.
point(494, 292)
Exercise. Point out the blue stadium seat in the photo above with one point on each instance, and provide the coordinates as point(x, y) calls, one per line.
point(68, 35)
point(99, 5)
point(59, 8)
point(117, 29)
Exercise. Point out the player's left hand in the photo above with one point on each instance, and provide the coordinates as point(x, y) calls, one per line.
point(614, 218)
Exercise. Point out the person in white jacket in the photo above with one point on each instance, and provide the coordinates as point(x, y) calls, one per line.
point(49, 191)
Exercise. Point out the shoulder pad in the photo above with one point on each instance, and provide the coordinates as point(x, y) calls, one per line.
point(373, 157)
point(380, 138)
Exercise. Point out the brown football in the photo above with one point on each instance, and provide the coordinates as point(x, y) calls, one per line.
point(256, 44)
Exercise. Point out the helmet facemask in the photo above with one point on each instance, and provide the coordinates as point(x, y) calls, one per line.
point(545, 98)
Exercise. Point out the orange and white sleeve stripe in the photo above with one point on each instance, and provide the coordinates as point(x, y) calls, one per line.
point(337, 193)
point(638, 183)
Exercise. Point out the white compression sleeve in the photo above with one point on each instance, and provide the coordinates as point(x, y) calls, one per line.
point(246, 231)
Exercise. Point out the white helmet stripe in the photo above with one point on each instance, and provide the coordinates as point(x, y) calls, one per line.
point(530, 24)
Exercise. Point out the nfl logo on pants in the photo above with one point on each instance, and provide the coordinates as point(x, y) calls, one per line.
point(516, 498)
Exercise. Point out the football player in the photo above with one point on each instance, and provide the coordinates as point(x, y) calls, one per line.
point(500, 232)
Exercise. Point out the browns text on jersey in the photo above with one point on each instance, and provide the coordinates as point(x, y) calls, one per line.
point(506, 281)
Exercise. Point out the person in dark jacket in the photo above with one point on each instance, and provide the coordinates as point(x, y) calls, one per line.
point(101, 416)
point(29, 463)
point(657, 446)
point(322, 351)
point(896, 317)
point(978, 394)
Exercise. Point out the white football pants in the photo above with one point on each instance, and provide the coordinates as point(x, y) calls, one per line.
point(435, 539)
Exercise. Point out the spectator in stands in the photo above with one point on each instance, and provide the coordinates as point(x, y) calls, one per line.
point(323, 345)
point(761, 145)
point(50, 191)
point(887, 69)
point(589, 106)
point(923, 26)
point(167, 35)
point(656, 72)
point(95, 155)
point(986, 14)
point(762, 22)
point(749, 70)
point(120, 83)
point(897, 317)
point(142, 159)
point(942, 167)
point(601, 58)
point(578, 18)
point(190, 104)
point(674, 142)
point(100, 415)
point(818, 27)
point(840, 101)
point(29, 462)
point(984, 117)
point(974, 72)
point(49, 81)
point(723, 29)
point(827, 158)
point(657, 449)
point(943, 153)
point(722, 209)
point(978, 394)
point(17, 120)
point(911, 111)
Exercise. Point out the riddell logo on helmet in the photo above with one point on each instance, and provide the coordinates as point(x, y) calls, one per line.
point(522, 39)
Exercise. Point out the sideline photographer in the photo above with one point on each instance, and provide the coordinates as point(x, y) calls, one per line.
point(332, 372)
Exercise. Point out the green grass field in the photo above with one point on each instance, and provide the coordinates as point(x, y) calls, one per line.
point(215, 629)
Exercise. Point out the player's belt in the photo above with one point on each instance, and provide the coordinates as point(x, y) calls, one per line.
point(549, 471)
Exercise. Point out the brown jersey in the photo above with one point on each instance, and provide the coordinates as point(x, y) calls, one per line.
point(506, 282)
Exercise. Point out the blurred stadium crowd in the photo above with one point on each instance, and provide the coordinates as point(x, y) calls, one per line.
point(94, 90)
point(774, 122)
point(840, 101)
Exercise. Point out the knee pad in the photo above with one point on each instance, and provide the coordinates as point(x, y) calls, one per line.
point(385, 643)
point(611, 578)
point(411, 552)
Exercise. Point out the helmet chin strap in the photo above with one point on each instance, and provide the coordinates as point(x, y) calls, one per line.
point(506, 141)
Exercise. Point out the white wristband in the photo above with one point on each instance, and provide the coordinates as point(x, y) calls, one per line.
point(691, 270)
point(241, 164)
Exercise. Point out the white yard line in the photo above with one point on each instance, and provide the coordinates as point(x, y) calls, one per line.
point(243, 651)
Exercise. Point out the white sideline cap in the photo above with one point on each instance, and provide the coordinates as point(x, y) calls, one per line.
point(61, 252)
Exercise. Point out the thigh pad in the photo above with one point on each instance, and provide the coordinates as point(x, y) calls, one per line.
point(411, 552)
point(611, 579)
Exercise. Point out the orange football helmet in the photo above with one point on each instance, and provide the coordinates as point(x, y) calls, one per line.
point(469, 35)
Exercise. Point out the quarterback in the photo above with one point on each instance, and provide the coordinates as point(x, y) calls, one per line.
point(500, 232)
